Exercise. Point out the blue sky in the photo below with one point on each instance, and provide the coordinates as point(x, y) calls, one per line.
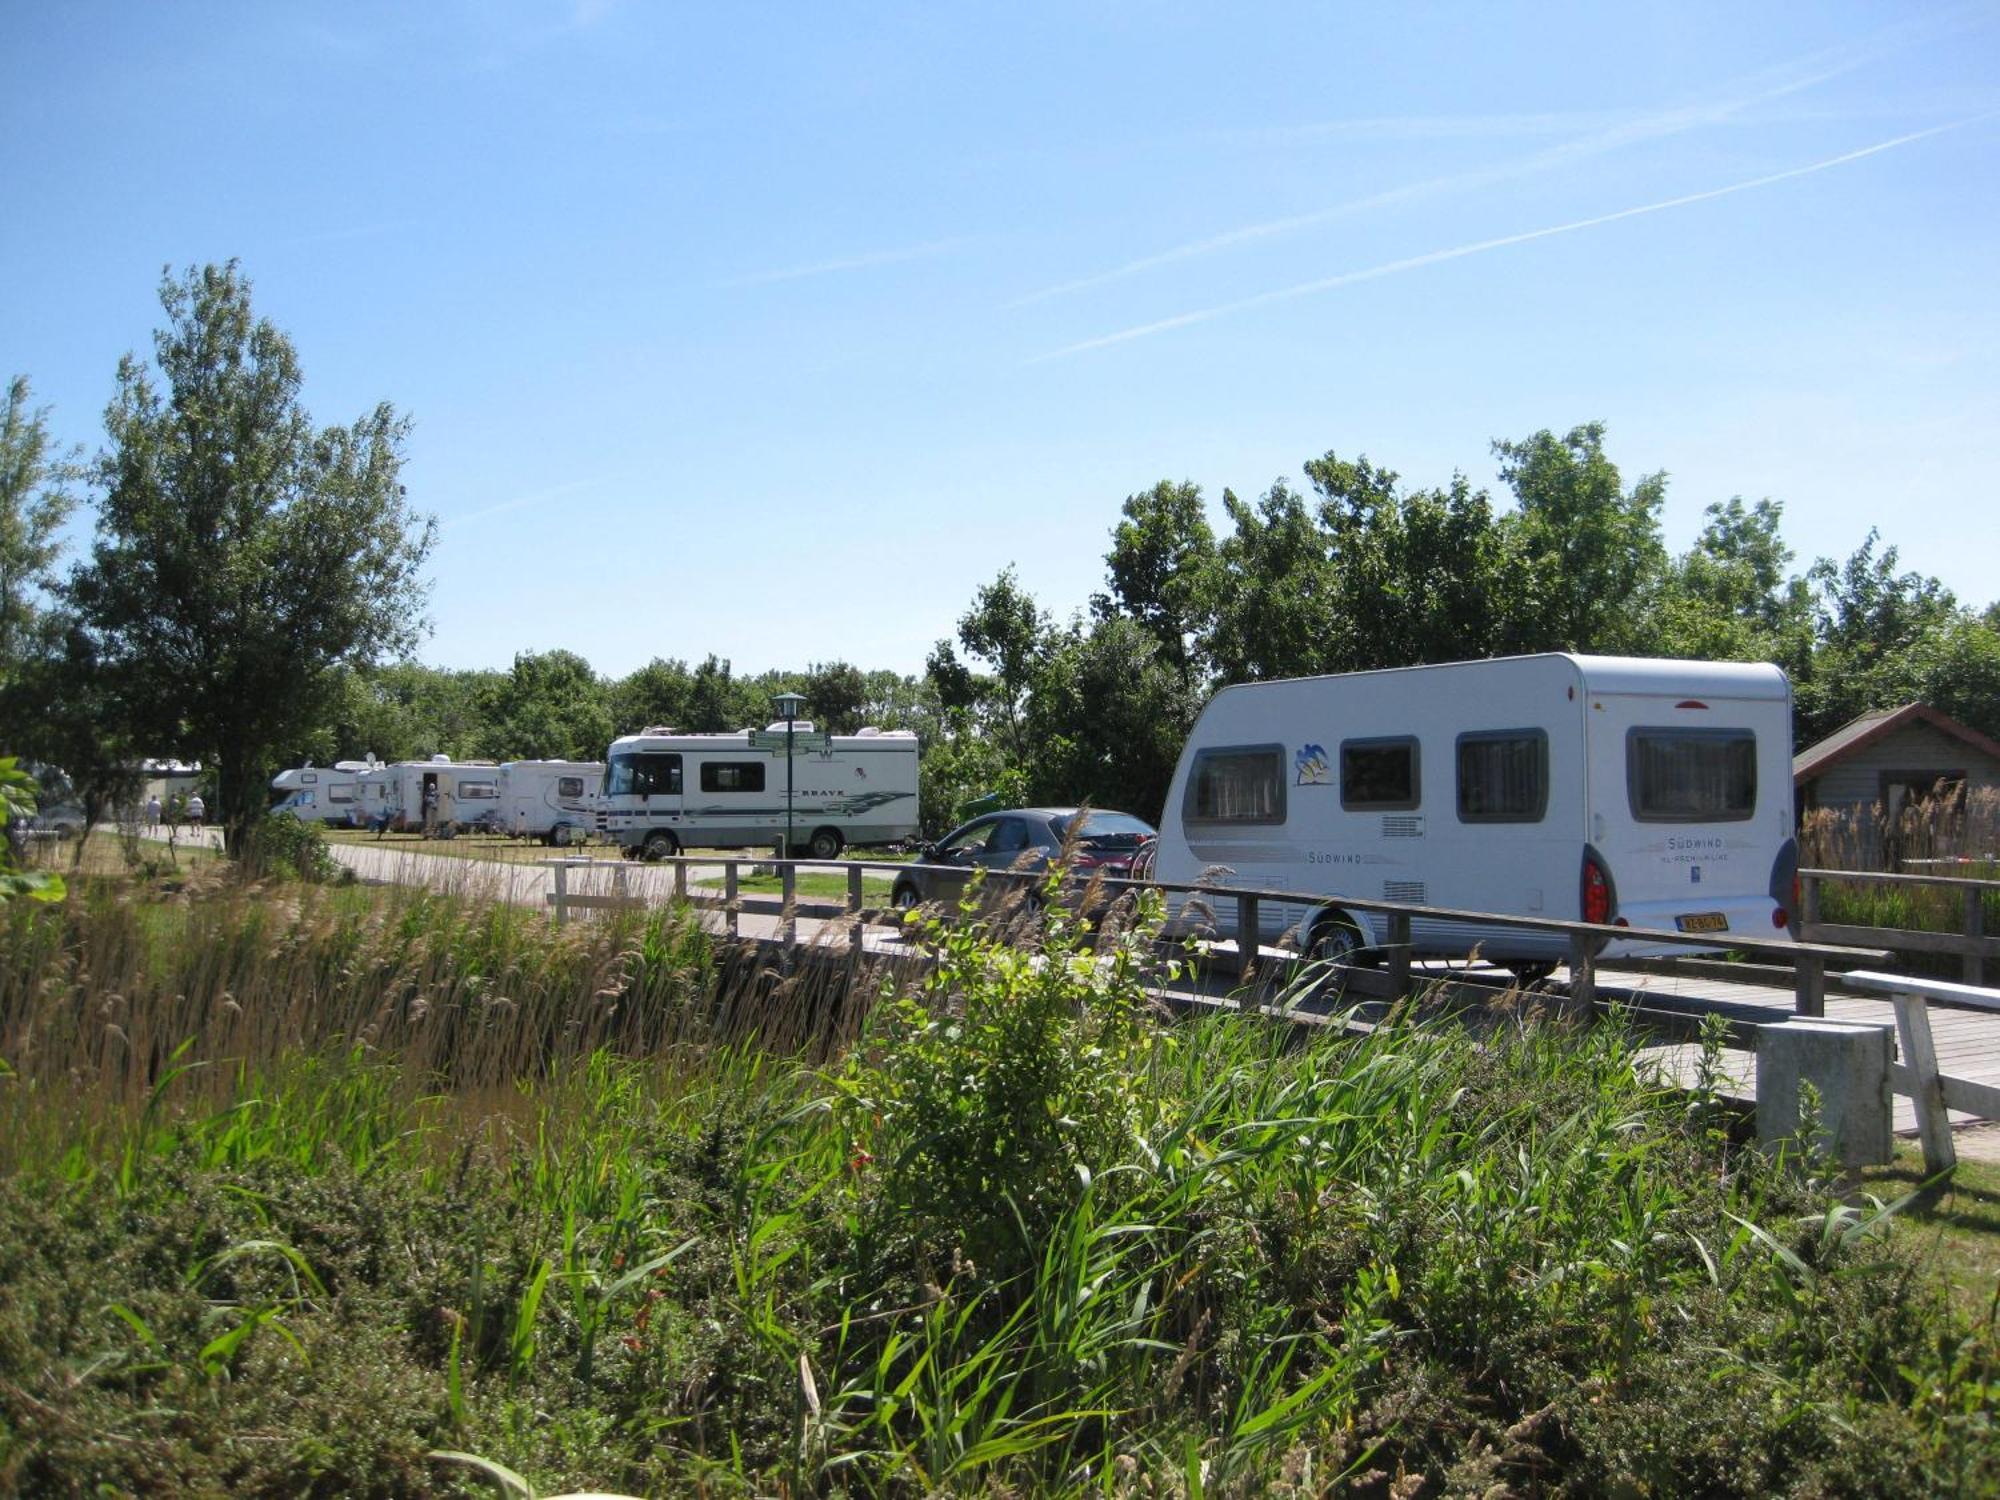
point(776, 331)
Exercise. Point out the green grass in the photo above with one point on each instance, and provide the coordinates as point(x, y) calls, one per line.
point(301, 1188)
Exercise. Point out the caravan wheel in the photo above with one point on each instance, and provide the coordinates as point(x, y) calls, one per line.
point(826, 844)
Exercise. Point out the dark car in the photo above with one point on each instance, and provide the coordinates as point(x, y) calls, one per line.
point(1025, 839)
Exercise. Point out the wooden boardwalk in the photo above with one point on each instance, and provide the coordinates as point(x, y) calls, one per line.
point(1968, 1041)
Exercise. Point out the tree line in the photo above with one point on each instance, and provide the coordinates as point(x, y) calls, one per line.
point(253, 598)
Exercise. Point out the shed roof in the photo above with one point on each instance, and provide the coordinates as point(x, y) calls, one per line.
point(1859, 733)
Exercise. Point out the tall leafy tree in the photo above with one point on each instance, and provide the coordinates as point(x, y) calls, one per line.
point(1590, 548)
point(1274, 592)
point(35, 499)
point(551, 706)
point(1419, 575)
point(1163, 572)
point(242, 555)
point(836, 696)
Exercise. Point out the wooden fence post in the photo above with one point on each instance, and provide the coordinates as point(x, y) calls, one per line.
point(788, 885)
point(1913, 1026)
point(1246, 937)
point(562, 892)
point(1583, 971)
point(1975, 931)
point(1809, 981)
point(681, 881)
point(729, 902)
point(1399, 955)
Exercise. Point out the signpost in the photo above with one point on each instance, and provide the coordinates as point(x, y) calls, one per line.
point(789, 705)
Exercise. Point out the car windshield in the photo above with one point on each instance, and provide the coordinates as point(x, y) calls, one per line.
point(1107, 830)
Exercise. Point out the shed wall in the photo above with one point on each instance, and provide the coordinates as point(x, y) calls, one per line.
point(1857, 780)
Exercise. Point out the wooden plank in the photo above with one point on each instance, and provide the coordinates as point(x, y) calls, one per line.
point(595, 903)
point(1921, 1069)
point(1982, 1099)
point(1971, 997)
point(1906, 940)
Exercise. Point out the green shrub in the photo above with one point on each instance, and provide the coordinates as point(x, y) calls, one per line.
point(290, 846)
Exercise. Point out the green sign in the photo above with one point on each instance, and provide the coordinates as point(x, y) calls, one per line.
point(803, 740)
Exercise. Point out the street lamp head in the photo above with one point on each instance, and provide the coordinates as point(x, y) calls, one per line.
point(788, 704)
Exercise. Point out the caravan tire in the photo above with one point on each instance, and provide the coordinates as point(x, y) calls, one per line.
point(1334, 941)
point(560, 835)
point(659, 845)
point(826, 844)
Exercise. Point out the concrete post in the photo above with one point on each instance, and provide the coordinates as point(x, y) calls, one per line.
point(1848, 1066)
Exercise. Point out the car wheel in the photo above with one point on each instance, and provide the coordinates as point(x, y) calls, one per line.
point(826, 844)
point(660, 845)
point(1531, 973)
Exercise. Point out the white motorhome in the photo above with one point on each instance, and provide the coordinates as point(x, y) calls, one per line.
point(665, 791)
point(466, 790)
point(550, 800)
point(322, 794)
point(1637, 792)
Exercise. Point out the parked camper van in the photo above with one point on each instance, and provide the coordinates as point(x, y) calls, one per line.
point(550, 800)
point(320, 794)
point(1607, 789)
point(466, 791)
point(665, 791)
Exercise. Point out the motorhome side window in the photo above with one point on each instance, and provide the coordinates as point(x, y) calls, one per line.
point(569, 786)
point(1379, 775)
point(478, 791)
point(1691, 775)
point(643, 773)
point(1503, 776)
point(732, 776)
point(1241, 784)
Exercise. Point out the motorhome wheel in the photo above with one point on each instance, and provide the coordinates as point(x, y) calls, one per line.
point(825, 844)
point(661, 845)
point(560, 835)
point(905, 897)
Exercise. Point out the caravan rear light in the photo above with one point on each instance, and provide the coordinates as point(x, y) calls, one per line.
point(1597, 897)
point(1780, 918)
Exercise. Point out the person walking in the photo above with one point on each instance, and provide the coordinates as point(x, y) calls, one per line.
point(197, 810)
point(153, 811)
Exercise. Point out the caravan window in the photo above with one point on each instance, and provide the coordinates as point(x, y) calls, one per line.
point(569, 786)
point(478, 791)
point(643, 773)
point(1241, 784)
point(732, 776)
point(1691, 775)
point(340, 792)
point(1379, 775)
point(1503, 776)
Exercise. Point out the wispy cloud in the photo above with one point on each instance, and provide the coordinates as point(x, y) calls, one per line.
point(865, 262)
point(1762, 88)
point(523, 502)
point(1480, 247)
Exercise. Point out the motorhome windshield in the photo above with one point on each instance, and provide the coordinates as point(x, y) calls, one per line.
point(643, 773)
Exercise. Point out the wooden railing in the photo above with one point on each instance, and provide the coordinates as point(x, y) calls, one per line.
point(1976, 951)
point(1934, 1093)
point(1583, 941)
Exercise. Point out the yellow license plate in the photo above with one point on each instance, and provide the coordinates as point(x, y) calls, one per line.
point(1702, 921)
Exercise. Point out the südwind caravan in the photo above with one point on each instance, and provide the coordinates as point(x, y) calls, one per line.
point(664, 792)
point(1607, 789)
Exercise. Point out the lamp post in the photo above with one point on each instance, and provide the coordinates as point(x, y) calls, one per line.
point(789, 705)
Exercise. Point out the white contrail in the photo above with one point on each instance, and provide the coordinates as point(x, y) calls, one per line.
point(1458, 252)
point(521, 502)
point(1819, 67)
point(850, 263)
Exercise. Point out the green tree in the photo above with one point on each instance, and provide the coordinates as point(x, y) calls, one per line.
point(1728, 598)
point(1163, 571)
point(656, 694)
point(1420, 576)
point(242, 554)
point(35, 500)
point(551, 706)
point(1274, 594)
point(1591, 549)
point(1109, 713)
point(1008, 631)
point(836, 696)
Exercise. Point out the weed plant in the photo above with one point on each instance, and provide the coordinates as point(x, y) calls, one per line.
point(300, 1187)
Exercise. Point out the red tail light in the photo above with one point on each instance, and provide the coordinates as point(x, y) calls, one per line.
point(1596, 891)
point(1780, 918)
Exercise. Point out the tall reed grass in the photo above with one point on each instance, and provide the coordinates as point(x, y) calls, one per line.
point(302, 1187)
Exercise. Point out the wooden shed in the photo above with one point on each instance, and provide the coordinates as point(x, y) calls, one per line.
point(1893, 758)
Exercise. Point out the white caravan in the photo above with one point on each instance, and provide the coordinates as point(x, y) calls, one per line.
point(665, 791)
point(550, 800)
point(1608, 789)
point(467, 790)
point(320, 794)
